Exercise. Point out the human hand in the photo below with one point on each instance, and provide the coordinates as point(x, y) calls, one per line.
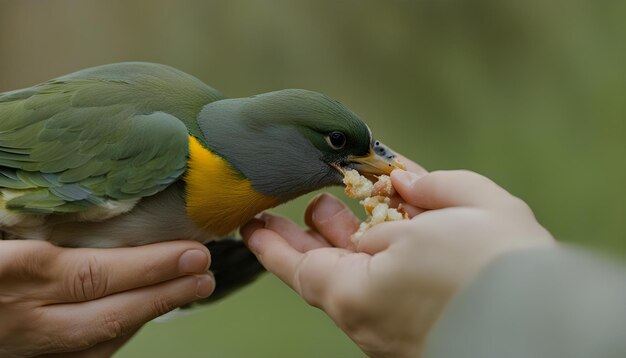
point(90, 301)
point(386, 291)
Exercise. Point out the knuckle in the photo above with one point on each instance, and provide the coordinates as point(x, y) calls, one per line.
point(89, 281)
point(61, 340)
point(161, 305)
point(110, 326)
point(29, 258)
point(114, 326)
point(40, 344)
point(69, 340)
point(64, 334)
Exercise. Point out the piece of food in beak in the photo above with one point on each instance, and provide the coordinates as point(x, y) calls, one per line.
point(375, 200)
point(357, 186)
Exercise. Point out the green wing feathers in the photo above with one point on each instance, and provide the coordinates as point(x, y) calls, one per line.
point(115, 132)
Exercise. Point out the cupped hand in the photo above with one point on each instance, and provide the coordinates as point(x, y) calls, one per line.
point(386, 291)
point(90, 301)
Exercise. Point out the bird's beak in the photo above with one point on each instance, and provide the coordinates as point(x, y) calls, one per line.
point(380, 160)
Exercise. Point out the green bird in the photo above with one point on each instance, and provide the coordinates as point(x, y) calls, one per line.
point(135, 153)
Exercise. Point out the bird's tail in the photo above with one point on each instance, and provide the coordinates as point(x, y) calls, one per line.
point(233, 265)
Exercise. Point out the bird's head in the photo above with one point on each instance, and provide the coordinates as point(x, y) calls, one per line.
point(291, 142)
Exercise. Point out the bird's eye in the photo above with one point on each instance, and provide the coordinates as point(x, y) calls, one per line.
point(336, 140)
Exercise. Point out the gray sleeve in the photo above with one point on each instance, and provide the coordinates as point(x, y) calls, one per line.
point(557, 302)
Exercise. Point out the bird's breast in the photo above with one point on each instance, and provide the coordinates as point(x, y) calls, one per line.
point(218, 198)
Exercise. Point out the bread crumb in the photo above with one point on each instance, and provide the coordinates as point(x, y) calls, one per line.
point(383, 187)
point(375, 200)
point(357, 186)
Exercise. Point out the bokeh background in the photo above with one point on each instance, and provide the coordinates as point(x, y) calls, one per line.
point(530, 93)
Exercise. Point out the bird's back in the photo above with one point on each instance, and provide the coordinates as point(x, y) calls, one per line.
point(148, 87)
point(48, 164)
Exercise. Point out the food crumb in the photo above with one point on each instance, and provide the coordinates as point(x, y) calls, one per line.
point(375, 200)
point(357, 186)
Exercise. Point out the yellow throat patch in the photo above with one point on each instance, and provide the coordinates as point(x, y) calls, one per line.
point(218, 199)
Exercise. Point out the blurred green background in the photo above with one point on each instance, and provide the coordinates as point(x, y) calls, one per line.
point(530, 93)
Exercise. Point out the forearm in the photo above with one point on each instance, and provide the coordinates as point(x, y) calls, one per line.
point(549, 302)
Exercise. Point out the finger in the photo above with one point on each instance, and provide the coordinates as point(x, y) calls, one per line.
point(87, 274)
point(85, 324)
point(444, 189)
point(411, 210)
point(379, 237)
point(301, 241)
point(397, 202)
point(309, 274)
point(331, 218)
point(317, 236)
point(294, 235)
point(26, 261)
point(104, 349)
point(411, 166)
point(107, 349)
point(250, 227)
point(274, 253)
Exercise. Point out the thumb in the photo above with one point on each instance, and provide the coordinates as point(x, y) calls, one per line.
point(442, 189)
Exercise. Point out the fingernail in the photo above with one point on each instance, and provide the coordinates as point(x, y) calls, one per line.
point(193, 261)
point(315, 199)
point(206, 285)
point(326, 207)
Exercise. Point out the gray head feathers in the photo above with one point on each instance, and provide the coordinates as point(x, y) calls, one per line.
point(277, 139)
